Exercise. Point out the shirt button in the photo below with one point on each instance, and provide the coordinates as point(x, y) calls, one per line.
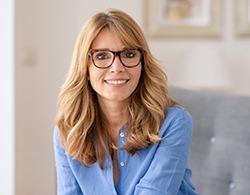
point(122, 164)
point(121, 134)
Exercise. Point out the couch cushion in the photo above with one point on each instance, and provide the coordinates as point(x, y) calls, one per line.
point(220, 150)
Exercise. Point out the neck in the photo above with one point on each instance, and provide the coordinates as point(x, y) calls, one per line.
point(116, 114)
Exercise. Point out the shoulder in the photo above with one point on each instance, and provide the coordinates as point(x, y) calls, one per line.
point(176, 111)
point(56, 139)
point(178, 120)
point(56, 134)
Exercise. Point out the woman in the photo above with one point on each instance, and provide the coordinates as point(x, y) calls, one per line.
point(118, 131)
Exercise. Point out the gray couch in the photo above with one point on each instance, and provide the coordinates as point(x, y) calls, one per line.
point(220, 150)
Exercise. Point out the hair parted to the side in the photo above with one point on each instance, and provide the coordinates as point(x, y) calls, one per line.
point(79, 118)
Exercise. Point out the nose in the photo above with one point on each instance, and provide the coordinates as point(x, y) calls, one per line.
point(117, 65)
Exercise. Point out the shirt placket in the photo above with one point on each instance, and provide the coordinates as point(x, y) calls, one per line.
point(120, 153)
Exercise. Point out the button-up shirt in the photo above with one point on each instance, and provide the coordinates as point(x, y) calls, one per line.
point(159, 169)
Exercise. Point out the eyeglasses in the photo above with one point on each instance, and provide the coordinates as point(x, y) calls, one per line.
point(104, 58)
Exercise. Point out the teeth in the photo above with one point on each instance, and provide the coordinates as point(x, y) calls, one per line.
point(116, 82)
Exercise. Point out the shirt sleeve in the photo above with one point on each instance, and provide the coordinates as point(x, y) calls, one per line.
point(166, 171)
point(66, 182)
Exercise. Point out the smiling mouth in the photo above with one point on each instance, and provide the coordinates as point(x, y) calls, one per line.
point(116, 82)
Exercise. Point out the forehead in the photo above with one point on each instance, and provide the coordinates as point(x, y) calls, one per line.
point(106, 39)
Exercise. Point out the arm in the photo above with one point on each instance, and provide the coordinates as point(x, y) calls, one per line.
point(66, 182)
point(166, 171)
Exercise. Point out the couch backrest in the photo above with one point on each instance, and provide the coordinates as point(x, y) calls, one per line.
point(220, 150)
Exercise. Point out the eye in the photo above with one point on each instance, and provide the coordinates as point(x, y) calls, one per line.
point(129, 54)
point(102, 55)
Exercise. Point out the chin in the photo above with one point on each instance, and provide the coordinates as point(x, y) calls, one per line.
point(119, 99)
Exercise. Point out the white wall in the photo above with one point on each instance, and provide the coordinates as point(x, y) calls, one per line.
point(45, 32)
point(39, 56)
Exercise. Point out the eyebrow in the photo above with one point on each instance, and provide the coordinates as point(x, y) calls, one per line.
point(107, 49)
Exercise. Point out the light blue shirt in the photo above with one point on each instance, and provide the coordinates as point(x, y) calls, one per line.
point(159, 169)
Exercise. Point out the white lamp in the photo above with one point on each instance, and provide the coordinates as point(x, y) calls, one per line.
point(204, 70)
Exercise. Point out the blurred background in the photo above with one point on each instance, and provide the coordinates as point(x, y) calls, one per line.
point(36, 43)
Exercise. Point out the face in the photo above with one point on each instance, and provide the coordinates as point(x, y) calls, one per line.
point(117, 82)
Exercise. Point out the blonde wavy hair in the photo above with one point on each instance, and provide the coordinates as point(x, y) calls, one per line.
point(82, 124)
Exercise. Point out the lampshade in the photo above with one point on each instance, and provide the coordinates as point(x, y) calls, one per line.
point(204, 70)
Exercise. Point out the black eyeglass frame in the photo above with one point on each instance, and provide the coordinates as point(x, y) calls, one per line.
point(115, 53)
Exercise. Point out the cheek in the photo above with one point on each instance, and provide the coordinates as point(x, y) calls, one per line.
point(91, 71)
point(92, 78)
point(138, 76)
point(95, 76)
